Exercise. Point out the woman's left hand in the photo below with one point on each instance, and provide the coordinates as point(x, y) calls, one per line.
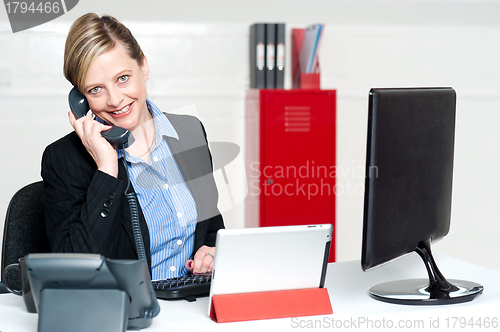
point(203, 260)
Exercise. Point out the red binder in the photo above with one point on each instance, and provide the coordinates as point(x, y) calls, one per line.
point(301, 80)
point(267, 305)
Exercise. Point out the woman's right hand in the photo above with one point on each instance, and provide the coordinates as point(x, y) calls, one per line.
point(102, 152)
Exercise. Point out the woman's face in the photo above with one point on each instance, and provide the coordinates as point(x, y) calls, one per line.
point(116, 89)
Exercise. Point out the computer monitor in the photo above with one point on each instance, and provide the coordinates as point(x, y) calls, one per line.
point(408, 187)
point(87, 292)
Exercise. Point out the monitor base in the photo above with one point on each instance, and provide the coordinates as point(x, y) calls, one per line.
point(433, 291)
point(415, 292)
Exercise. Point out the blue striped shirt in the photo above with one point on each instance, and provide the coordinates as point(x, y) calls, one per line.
point(165, 199)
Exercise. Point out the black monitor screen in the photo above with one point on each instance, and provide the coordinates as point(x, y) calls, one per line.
point(409, 175)
point(409, 168)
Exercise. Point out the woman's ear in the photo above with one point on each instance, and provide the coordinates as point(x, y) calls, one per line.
point(145, 69)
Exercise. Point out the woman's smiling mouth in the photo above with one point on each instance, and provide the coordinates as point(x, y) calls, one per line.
point(123, 111)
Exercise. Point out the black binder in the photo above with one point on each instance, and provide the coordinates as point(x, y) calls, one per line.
point(280, 56)
point(257, 56)
point(270, 55)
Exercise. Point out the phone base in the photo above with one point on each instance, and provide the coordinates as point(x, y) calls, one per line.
point(83, 310)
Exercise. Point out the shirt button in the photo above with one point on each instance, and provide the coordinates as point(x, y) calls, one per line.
point(179, 214)
point(107, 204)
point(104, 213)
point(165, 186)
point(179, 242)
point(155, 158)
point(112, 194)
point(172, 268)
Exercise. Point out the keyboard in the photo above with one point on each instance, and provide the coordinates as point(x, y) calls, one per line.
point(187, 287)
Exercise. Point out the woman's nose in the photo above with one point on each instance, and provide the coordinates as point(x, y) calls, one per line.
point(115, 97)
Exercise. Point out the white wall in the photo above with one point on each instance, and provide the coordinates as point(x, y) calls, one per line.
point(198, 55)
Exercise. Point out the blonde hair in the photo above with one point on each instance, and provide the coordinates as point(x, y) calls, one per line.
point(89, 37)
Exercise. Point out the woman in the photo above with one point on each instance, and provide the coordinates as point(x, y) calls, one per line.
point(169, 164)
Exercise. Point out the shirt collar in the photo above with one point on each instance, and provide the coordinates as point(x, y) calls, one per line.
point(163, 126)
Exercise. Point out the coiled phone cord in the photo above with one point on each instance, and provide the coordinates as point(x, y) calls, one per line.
point(134, 213)
point(139, 243)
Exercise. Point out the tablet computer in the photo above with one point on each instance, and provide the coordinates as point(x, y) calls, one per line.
point(270, 259)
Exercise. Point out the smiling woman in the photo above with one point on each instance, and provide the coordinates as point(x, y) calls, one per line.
point(113, 78)
point(115, 87)
point(87, 181)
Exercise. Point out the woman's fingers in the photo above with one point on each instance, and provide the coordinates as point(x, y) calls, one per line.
point(189, 264)
point(102, 152)
point(206, 264)
point(203, 260)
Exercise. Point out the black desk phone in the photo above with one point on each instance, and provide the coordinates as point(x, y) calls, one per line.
point(118, 137)
point(87, 292)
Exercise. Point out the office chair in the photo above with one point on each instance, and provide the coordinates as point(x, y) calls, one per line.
point(24, 229)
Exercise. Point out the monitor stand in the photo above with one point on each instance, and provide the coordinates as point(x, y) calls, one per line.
point(435, 291)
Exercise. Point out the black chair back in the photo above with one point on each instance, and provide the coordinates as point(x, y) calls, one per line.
point(24, 229)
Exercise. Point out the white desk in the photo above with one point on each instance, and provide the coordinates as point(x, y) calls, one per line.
point(352, 307)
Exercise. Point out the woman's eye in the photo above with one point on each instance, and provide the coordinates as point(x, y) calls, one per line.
point(95, 90)
point(123, 78)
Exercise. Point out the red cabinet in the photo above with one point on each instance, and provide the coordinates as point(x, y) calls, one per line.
point(290, 158)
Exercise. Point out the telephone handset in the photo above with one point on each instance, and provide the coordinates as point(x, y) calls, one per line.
point(118, 137)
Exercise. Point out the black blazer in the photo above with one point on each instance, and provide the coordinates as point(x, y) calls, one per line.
point(86, 210)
